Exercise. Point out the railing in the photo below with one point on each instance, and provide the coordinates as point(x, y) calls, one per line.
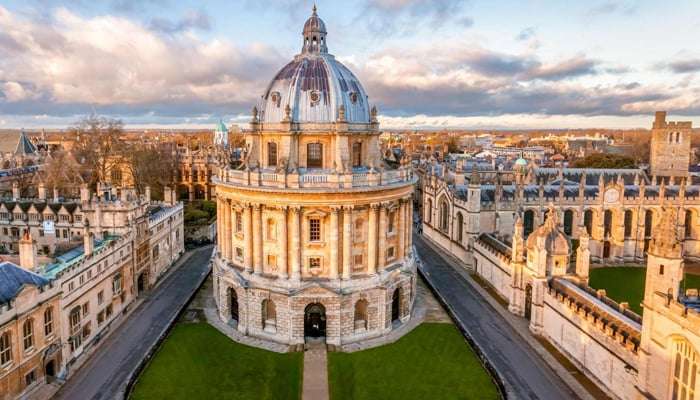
point(314, 179)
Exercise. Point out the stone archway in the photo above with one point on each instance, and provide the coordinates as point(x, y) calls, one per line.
point(396, 305)
point(233, 303)
point(315, 320)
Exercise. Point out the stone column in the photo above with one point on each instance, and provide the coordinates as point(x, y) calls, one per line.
point(227, 230)
point(334, 243)
point(219, 226)
point(381, 252)
point(401, 225)
point(347, 241)
point(248, 238)
point(296, 242)
point(372, 239)
point(284, 248)
point(257, 239)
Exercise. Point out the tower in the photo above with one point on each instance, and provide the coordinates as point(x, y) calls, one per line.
point(221, 135)
point(670, 147)
point(27, 252)
point(665, 261)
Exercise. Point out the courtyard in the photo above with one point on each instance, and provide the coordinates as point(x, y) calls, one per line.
point(626, 283)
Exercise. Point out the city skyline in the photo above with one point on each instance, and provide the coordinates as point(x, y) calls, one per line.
point(444, 64)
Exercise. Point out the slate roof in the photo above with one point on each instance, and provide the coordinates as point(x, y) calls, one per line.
point(24, 146)
point(13, 278)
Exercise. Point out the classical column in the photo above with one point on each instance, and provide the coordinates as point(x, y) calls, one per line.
point(296, 244)
point(409, 223)
point(257, 239)
point(372, 239)
point(381, 252)
point(347, 241)
point(284, 248)
point(227, 230)
point(219, 226)
point(401, 228)
point(248, 238)
point(334, 243)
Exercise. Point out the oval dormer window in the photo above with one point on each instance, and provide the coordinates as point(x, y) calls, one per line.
point(353, 97)
point(276, 98)
point(315, 97)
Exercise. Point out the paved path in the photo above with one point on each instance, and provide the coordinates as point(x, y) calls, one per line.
point(524, 373)
point(315, 386)
point(104, 375)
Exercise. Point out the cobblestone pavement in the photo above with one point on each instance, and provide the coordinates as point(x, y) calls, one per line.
point(524, 374)
point(104, 375)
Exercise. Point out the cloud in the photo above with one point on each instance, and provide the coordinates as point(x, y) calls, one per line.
point(614, 7)
point(526, 33)
point(191, 20)
point(570, 68)
point(399, 17)
point(685, 66)
point(69, 64)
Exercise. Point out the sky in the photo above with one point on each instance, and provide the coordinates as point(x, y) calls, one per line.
point(426, 64)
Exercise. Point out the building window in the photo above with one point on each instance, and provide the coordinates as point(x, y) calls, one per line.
point(156, 252)
point(444, 216)
point(390, 253)
point(460, 227)
point(239, 253)
point(272, 261)
point(74, 319)
point(108, 311)
point(429, 212)
point(117, 284)
point(689, 224)
point(100, 297)
point(100, 317)
point(314, 263)
point(48, 321)
point(28, 334)
point(314, 230)
point(357, 232)
point(392, 221)
point(661, 269)
point(357, 154)
point(86, 331)
point(5, 349)
point(684, 371)
point(271, 229)
point(628, 223)
point(358, 260)
point(239, 222)
point(30, 377)
point(314, 155)
point(271, 154)
point(361, 315)
point(269, 316)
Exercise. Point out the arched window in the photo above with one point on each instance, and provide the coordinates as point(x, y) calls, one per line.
point(271, 229)
point(5, 348)
point(271, 154)
point(568, 222)
point(607, 223)
point(444, 215)
point(460, 227)
point(361, 315)
point(689, 220)
point(429, 212)
point(648, 221)
point(588, 220)
point(28, 334)
point(314, 155)
point(48, 321)
point(528, 222)
point(685, 369)
point(357, 154)
point(628, 223)
point(269, 316)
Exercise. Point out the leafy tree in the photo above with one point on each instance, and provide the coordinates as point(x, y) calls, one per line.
point(604, 160)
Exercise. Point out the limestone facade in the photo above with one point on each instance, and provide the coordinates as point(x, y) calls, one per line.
point(315, 229)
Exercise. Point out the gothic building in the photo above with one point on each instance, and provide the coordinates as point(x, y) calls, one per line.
point(314, 228)
point(619, 208)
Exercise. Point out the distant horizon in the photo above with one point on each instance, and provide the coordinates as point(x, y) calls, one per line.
point(443, 64)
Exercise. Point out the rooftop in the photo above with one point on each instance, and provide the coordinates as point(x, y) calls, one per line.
point(13, 278)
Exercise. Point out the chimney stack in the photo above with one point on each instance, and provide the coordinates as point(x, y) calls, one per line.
point(42, 191)
point(27, 252)
point(84, 193)
point(55, 194)
point(88, 240)
point(167, 195)
point(15, 191)
point(147, 194)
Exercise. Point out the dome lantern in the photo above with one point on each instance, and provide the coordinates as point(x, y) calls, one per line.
point(314, 34)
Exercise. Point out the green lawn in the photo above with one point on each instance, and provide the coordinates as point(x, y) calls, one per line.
point(627, 284)
point(432, 362)
point(198, 362)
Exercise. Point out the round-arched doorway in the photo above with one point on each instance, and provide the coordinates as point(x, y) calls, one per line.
point(315, 320)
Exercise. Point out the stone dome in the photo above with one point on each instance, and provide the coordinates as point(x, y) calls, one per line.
point(314, 87)
point(550, 237)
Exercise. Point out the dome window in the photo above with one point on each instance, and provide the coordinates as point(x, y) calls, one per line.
point(315, 97)
point(275, 97)
point(353, 97)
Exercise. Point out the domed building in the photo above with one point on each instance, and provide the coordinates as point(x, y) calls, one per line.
point(315, 227)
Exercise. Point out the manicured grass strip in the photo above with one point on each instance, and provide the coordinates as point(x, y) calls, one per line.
point(627, 284)
point(432, 362)
point(198, 362)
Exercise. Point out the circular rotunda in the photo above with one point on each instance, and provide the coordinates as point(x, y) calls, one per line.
point(314, 226)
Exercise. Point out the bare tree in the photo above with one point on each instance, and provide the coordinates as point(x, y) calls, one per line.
point(99, 147)
point(62, 172)
point(151, 165)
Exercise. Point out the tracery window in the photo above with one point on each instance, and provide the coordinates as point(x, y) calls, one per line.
point(444, 215)
point(48, 321)
point(684, 371)
point(460, 227)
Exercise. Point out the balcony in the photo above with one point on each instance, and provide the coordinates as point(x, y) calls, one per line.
point(315, 178)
